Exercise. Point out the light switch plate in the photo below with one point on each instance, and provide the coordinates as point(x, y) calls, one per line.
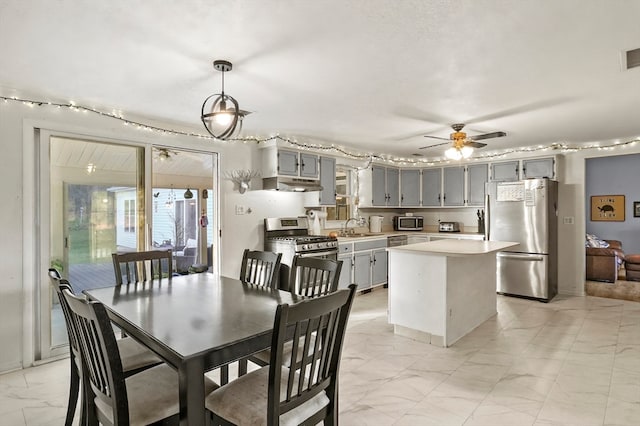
point(567, 220)
point(240, 209)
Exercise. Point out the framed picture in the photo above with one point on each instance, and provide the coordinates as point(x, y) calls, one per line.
point(636, 209)
point(608, 208)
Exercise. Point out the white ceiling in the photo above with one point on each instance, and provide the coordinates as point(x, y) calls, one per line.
point(369, 75)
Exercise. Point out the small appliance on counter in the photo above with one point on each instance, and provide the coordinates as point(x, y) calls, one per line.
point(408, 223)
point(449, 227)
point(375, 224)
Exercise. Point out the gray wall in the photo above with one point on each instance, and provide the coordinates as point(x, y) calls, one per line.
point(616, 175)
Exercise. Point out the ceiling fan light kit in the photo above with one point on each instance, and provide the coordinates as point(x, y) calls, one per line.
point(461, 145)
point(220, 113)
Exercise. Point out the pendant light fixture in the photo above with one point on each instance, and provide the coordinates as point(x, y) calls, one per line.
point(221, 114)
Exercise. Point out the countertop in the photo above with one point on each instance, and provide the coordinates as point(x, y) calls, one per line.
point(373, 236)
point(452, 247)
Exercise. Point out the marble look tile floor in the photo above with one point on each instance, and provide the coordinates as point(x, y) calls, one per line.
point(573, 361)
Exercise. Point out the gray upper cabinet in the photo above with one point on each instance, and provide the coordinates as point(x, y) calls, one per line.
point(385, 186)
point(308, 165)
point(410, 188)
point(505, 171)
point(287, 163)
point(378, 186)
point(431, 185)
point(477, 176)
point(538, 168)
point(290, 163)
point(453, 192)
point(327, 181)
point(393, 187)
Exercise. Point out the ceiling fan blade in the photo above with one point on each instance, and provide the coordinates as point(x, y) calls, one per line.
point(474, 144)
point(433, 146)
point(437, 137)
point(487, 136)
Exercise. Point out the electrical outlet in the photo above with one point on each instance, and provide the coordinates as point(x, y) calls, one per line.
point(567, 220)
point(240, 209)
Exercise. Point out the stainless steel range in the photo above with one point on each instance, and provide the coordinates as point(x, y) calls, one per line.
point(290, 236)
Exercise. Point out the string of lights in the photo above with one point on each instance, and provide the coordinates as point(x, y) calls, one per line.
point(369, 157)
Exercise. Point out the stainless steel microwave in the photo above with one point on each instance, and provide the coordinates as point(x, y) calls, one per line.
point(408, 223)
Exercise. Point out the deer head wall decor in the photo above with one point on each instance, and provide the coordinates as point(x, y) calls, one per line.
point(242, 178)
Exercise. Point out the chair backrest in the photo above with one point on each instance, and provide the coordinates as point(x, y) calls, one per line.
point(59, 284)
point(260, 268)
point(142, 266)
point(319, 325)
point(101, 359)
point(313, 276)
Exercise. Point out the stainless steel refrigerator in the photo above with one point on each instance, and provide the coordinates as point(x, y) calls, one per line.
point(525, 212)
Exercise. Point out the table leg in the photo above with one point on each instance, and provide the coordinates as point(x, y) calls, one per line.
point(191, 384)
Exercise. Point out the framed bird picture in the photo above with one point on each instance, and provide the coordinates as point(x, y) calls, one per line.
point(607, 208)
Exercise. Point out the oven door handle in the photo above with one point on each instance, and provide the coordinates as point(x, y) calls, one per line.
point(318, 253)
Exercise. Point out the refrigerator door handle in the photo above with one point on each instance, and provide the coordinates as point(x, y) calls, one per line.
point(516, 256)
point(487, 224)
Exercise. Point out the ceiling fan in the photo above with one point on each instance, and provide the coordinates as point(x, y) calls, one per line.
point(164, 154)
point(461, 144)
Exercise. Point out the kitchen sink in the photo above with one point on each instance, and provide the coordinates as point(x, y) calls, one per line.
point(356, 235)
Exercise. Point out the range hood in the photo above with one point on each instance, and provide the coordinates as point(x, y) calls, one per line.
point(290, 184)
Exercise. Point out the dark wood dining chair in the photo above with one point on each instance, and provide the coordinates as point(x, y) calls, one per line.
point(134, 356)
point(112, 398)
point(306, 392)
point(310, 277)
point(141, 266)
point(260, 268)
point(313, 276)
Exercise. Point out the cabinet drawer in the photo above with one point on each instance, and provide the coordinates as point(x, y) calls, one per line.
point(345, 248)
point(370, 244)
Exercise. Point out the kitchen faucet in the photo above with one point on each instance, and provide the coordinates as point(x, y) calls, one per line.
point(346, 226)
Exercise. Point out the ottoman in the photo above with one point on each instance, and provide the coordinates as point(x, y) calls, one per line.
point(632, 267)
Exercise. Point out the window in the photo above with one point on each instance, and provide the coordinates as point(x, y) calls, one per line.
point(129, 215)
point(345, 199)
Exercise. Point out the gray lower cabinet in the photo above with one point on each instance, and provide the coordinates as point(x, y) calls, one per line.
point(346, 274)
point(379, 266)
point(362, 269)
point(370, 263)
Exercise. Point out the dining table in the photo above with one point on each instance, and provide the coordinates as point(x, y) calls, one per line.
point(196, 323)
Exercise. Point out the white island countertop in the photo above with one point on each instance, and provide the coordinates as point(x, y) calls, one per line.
point(441, 290)
point(455, 247)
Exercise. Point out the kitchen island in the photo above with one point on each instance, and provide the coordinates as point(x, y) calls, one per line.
point(441, 290)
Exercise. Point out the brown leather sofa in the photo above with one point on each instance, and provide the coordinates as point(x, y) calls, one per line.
point(632, 267)
point(603, 263)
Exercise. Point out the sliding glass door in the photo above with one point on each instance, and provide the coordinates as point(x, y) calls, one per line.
point(107, 197)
